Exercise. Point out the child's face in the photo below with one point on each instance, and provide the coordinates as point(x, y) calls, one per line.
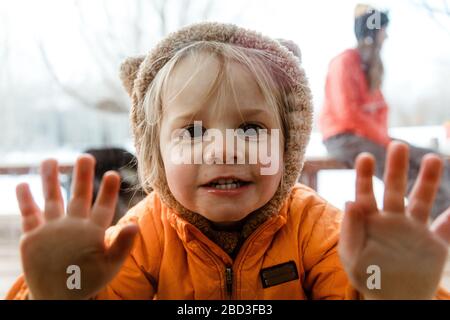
point(187, 102)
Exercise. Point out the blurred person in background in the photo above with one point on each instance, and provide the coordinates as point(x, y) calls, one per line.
point(354, 116)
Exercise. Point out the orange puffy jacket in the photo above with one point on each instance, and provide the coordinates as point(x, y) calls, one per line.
point(172, 259)
point(349, 106)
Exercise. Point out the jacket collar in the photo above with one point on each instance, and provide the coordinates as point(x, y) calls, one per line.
point(189, 234)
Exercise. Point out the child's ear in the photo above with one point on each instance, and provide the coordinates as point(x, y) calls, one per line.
point(128, 72)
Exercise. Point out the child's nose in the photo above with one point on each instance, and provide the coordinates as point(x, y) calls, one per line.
point(223, 153)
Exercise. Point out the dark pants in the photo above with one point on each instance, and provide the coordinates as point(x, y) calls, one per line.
point(345, 147)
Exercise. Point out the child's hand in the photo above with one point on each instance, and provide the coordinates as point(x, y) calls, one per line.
point(53, 241)
point(410, 255)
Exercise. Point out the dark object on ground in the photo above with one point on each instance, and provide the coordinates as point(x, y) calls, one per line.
point(125, 164)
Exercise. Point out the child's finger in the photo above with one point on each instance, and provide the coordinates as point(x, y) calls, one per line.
point(54, 206)
point(441, 226)
point(352, 235)
point(31, 214)
point(364, 196)
point(425, 188)
point(396, 177)
point(122, 245)
point(82, 187)
point(105, 204)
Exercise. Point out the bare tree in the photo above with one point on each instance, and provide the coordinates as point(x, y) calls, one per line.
point(437, 11)
point(149, 20)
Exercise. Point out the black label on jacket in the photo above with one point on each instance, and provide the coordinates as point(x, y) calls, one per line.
point(278, 274)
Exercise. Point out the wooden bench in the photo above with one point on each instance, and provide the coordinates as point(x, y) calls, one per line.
point(24, 169)
point(313, 165)
point(308, 177)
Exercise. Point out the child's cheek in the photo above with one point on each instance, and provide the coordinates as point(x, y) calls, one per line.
point(270, 179)
point(181, 180)
point(180, 173)
point(275, 169)
point(270, 156)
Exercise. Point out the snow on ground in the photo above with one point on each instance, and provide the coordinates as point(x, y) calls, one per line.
point(338, 187)
point(8, 193)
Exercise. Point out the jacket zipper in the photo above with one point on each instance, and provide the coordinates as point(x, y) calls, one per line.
point(228, 269)
point(229, 281)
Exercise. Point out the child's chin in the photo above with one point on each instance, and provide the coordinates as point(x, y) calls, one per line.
point(227, 225)
point(225, 219)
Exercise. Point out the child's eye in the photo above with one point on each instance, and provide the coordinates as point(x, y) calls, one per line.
point(251, 130)
point(195, 132)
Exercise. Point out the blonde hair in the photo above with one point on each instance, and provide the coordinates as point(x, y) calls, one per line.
point(271, 79)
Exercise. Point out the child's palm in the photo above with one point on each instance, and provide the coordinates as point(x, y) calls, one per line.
point(397, 240)
point(52, 242)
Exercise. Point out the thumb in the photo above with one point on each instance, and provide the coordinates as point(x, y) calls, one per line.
point(121, 246)
point(353, 232)
point(441, 226)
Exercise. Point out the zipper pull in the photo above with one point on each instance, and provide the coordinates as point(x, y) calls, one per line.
point(229, 280)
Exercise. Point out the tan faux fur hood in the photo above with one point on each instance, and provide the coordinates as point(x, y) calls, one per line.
point(138, 72)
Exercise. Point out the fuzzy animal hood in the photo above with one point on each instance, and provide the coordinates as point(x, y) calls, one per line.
point(138, 72)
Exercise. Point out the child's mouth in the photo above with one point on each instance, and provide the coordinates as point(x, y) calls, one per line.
point(227, 184)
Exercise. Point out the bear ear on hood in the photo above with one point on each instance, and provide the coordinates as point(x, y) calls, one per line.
point(292, 47)
point(128, 72)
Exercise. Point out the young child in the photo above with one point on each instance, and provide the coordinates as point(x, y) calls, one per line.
point(218, 225)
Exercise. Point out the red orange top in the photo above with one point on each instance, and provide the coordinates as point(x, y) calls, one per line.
point(349, 105)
